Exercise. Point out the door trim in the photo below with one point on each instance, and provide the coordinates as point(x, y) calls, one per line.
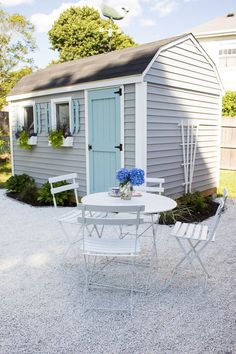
point(86, 92)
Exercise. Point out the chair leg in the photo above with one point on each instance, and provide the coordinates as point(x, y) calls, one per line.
point(198, 258)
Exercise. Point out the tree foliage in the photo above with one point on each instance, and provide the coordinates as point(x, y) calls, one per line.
point(16, 42)
point(81, 32)
point(229, 104)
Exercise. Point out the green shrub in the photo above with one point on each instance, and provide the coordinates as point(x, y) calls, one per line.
point(45, 196)
point(229, 104)
point(29, 193)
point(18, 183)
point(55, 138)
point(195, 201)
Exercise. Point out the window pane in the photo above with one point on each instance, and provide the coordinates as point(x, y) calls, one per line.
point(62, 115)
point(29, 118)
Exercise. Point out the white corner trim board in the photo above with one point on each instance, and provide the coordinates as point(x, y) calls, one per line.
point(141, 125)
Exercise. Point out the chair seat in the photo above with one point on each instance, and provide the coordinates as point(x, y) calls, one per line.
point(111, 247)
point(190, 231)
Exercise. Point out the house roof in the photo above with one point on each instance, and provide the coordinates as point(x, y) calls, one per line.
point(119, 63)
point(220, 25)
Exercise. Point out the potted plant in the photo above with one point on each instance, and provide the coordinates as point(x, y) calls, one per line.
point(128, 179)
point(60, 137)
point(26, 138)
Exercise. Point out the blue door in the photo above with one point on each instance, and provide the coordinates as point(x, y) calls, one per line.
point(104, 138)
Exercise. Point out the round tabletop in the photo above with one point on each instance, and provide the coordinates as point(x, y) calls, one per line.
point(154, 203)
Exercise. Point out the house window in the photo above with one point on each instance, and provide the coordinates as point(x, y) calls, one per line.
point(29, 118)
point(227, 57)
point(63, 116)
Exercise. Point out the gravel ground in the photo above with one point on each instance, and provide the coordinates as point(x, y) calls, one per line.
point(41, 304)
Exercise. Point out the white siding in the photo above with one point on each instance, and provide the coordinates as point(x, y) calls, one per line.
point(182, 85)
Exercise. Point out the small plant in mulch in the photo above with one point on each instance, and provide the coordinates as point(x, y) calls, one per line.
point(191, 207)
point(63, 199)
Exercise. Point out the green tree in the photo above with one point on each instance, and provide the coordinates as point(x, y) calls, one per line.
point(16, 42)
point(229, 104)
point(81, 32)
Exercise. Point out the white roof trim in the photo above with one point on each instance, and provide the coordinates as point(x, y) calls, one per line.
point(215, 33)
point(78, 87)
point(178, 41)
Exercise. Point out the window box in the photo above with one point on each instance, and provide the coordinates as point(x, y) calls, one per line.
point(68, 142)
point(33, 140)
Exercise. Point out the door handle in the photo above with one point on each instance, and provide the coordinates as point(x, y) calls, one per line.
point(90, 147)
point(120, 147)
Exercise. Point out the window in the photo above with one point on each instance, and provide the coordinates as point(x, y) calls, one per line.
point(227, 57)
point(63, 116)
point(29, 118)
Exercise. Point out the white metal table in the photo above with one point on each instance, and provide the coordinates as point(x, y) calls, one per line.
point(153, 203)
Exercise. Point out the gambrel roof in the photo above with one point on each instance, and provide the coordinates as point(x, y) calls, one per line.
point(120, 63)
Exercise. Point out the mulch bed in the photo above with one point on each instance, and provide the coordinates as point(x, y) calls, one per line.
point(188, 217)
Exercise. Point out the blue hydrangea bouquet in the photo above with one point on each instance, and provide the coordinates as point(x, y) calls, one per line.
point(128, 179)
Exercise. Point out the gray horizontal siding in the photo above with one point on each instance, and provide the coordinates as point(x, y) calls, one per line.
point(44, 161)
point(182, 85)
point(181, 72)
point(129, 126)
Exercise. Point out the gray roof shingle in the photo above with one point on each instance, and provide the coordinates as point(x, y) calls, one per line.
point(125, 62)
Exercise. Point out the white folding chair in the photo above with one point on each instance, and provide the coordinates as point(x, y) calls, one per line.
point(153, 185)
point(197, 237)
point(110, 246)
point(71, 217)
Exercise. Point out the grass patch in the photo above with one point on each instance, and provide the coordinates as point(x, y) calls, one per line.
point(228, 180)
point(5, 171)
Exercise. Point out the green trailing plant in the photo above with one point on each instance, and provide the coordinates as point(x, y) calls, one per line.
point(18, 183)
point(55, 138)
point(23, 140)
point(23, 137)
point(45, 196)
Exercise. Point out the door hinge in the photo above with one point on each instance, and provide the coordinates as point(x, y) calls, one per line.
point(90, 147)
point(119, 92)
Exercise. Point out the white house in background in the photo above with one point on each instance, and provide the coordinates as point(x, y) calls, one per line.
point(218, 38)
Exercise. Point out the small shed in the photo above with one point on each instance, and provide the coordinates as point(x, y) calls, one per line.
point(126, 108)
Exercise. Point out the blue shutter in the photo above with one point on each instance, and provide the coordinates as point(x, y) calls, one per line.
point(48, 122)
point(37, 120)
point(75, 121)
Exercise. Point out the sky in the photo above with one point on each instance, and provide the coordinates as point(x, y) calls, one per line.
point(147, 20)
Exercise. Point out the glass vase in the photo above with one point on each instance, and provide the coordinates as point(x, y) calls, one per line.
point(126, 191)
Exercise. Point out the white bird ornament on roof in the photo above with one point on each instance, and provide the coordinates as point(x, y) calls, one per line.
point(113, 13)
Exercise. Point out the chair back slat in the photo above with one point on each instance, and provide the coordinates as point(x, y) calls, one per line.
point(153, 185)
point(67, 187)
point(62, 178)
